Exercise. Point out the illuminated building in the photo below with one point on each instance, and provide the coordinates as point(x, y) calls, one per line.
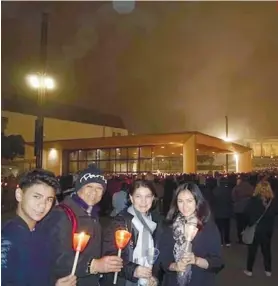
point(61, 123)
point(70, 145)
point(167, 153)
point(264, 152)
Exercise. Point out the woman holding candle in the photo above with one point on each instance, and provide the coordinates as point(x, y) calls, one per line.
point(191, 251)
point(142, 223)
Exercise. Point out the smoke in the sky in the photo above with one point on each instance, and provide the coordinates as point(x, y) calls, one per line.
point(164, 67)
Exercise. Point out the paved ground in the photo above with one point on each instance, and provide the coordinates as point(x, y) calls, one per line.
point(235, 259)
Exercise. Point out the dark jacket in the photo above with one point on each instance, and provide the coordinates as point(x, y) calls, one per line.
point(206, 244)
point(60, 235)
point(241, 195)
point(25, 255)
point(124, 221)
point(222, 203)
point(254, 210)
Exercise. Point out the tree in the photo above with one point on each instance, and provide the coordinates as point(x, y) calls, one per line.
point(12, 146)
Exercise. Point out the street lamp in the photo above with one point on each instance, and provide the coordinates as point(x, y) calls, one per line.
point(227, 137)
point(37, 81)
point(42, 83)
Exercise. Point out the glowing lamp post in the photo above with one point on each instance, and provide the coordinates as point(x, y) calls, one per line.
point(122, 238)
point(41, 83)
point(38, 81)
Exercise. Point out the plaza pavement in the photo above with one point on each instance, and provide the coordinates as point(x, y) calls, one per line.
point(235, 261)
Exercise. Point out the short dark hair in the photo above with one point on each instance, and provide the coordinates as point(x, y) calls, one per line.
point(145, 184)
point(202, 208)
point(36, 177)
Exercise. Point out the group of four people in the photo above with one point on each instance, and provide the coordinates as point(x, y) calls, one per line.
point(37, 243)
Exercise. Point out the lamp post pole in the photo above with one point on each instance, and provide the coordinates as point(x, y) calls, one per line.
point(227, 136)
point(41, 93)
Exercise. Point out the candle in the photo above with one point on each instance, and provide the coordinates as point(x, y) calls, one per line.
point(80, 241)
point(122, 238)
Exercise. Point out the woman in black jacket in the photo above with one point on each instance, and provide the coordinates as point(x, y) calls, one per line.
point(142, 223)
point(262, 203)
point(191, 251)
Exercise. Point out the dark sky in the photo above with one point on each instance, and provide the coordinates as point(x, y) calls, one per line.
point(164, 67)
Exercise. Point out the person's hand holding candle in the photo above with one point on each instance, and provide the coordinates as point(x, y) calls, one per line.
point(106, 264)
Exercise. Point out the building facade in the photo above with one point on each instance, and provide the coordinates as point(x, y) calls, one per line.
point(166, 153)
point(264, 152)
point(67, 123)
point(127, 159)
point(55, 129)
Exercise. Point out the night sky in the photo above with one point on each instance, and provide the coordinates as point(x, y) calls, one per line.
point(164, 67)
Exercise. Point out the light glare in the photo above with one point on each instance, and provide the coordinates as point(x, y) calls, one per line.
point(227, 139)
point(35, 82)
point(49, 83)
point(53, 154)
point(236, 157)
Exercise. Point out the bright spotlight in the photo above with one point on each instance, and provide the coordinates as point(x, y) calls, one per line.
point(33, 81)
point(227, 139)
point(36, 82)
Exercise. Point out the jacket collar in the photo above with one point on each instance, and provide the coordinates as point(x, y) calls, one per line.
point(80, 207)
point(21, 223)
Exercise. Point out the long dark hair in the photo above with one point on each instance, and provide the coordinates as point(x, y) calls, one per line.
point(202, 207)
point(145, 184)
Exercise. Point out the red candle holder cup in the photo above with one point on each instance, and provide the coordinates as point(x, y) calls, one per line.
point(122, 238)
point(80, 240)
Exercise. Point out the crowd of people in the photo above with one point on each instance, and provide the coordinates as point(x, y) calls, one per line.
point(185, 218)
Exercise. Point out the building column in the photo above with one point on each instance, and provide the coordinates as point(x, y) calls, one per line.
point(190, 155)
point(245, 162)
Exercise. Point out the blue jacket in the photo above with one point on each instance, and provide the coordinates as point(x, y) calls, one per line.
point(25, 255)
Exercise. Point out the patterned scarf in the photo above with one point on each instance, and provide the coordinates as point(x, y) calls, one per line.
point(183, 244)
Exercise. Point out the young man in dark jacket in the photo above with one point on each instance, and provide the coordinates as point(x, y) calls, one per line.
point(90, 187)
point(25, 258)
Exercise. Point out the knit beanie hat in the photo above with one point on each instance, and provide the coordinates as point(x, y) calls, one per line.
point(90, 175)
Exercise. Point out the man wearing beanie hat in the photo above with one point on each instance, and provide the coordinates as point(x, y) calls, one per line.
point(89, 189)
